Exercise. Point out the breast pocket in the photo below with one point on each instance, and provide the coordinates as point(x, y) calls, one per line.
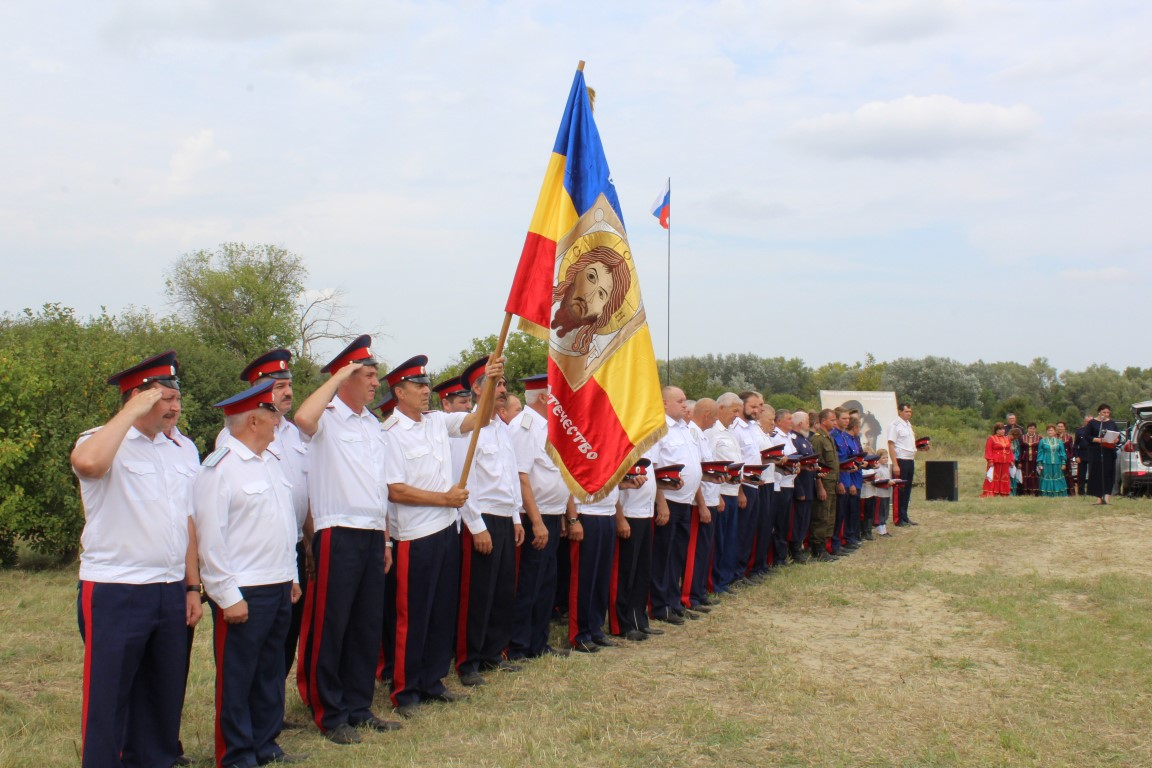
point(142, 481)
point(488, 457)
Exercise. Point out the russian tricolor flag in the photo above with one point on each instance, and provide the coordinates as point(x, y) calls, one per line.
point(662, 204)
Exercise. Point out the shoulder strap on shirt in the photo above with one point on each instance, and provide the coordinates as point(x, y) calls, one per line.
point(216, 456)
point(390, 422)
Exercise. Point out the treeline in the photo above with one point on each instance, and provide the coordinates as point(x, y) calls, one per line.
point(237, 301)
point(976, 393)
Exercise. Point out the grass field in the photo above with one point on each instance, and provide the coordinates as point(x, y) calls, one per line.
point(1010, 632)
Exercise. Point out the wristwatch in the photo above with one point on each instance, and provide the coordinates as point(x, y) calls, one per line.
point(573, 520)
point(199, 588)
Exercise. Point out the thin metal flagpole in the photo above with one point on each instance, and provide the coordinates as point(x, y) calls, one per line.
point(668, 339)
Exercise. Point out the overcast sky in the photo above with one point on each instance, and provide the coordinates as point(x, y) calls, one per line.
point(900, 177)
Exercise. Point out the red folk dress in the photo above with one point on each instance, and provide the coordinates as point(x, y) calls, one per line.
point(998, 453)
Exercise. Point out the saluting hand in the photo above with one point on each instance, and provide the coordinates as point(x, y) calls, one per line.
point(142, 402)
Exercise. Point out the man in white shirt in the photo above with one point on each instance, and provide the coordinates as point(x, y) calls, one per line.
point(781, 435)
point(491, 535)
point(139, 581)
point(632, 576)
point(424, 521)
point(747, 433)
point(670, 543)
point(725, 448)
point(701, 532)
point(764, 554)
point(902, 450)
point(545, 497)
point(289, 446)
point(247, 531)
point(343, 614)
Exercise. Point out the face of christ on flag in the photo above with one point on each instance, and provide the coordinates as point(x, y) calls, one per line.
point(595, 295)
point(590, 293)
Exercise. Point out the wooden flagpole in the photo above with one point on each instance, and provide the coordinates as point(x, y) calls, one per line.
point(483, 410)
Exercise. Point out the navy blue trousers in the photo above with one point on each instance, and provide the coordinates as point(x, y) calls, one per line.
point(487, 594)
point(591, 575)
point(535, 593)
point(727, 546)
point(427, 573)
point(749, 519)
point(135, 650)
point(343, 623)
point(781, 524)
point(852, 517)
point(840, 534)
point(631, 578)
point(765, 518)
point(699, 563)
point(801, 522)
point(907, 472)
point(250, 676)
point(292, 638)
point(669, 555)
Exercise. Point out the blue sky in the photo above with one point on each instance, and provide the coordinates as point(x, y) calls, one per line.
point(953, 178)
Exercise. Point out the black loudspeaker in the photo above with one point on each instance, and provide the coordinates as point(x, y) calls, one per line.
point(941, 481)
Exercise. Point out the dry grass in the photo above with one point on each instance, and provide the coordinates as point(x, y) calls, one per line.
point(998, 632)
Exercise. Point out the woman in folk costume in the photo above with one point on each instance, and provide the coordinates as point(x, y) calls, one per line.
point(999, 455)
point(1029, 469)
point(1051, 458)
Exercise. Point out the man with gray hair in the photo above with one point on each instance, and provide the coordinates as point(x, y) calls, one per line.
point(781, 435)
point(803, 491)
point(725, 448)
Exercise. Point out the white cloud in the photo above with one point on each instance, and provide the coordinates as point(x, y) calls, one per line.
point(916, 127)
point(873, 21)
point(196, 154)
point(1102, 275)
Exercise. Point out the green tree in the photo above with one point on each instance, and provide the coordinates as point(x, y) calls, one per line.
point(932, 381)
point(526, 356)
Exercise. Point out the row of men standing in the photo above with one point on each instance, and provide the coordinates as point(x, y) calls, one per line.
point(347, 499)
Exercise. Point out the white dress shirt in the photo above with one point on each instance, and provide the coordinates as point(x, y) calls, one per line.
point(640, 502)
point(606, 505)
point(346, 483)
point(493, 482)
point(903, 438)
point(779, 437)
point(136, 515)
point(748, 436)
point(710, 490)
point(290, 446)
point(418, 454)
point(724, 448)
point(245, 524)
point(529, 434)
point(680, 446)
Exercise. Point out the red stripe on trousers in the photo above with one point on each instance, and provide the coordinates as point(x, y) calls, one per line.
point(401, 650)
point(317, 626)
point(302, 657)
point(690, 561)
point(614, 590)
point(573, 590)
point(86, 608)
point(220, 636)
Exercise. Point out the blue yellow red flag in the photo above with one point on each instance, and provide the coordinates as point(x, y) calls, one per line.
point(576, 287)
